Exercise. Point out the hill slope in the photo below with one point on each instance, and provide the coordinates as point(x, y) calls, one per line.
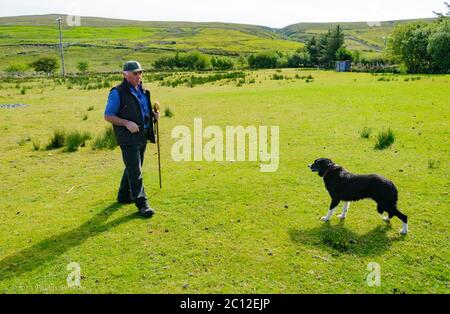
point(106, 43)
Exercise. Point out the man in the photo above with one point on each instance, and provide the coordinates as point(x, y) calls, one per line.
point(129, 111)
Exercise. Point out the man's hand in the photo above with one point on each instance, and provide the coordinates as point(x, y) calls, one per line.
point(156, 109)
point(132, 127)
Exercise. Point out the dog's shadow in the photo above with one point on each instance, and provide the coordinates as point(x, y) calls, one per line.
point(340, 239)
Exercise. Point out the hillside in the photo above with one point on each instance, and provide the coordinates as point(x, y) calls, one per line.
point(106, 43)
point(364, 36)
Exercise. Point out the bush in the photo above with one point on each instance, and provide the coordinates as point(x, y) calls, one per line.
point(168, 113)
point(433, 164)
point(263, 60)
point(342, 54)
point(188, 61)
point(83, 66)
point(36, 144)
point(90, 108)
point(16, 69)
point(299, 59)
point(106, 140)
point(57, 140)
point(277, 77)
point(365, 133)
point(222, 64)
point(76, 139)
point(46, 64)
point(385, 139)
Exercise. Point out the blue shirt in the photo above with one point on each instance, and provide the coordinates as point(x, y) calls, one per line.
point(113, 104)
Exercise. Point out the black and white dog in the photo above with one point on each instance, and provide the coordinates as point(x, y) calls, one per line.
point(345, 186)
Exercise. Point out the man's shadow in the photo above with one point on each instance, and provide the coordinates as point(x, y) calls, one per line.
point(45, 251)
point(340, 239)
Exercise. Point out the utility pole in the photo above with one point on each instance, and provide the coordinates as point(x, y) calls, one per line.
point(63, 69)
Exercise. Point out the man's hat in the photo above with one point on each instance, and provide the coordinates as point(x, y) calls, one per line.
point(132, 66)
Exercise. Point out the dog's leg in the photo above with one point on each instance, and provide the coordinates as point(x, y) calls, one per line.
point(333, 205)
point(344, 210)
point(388, 217)
point(404, 220)
point(381, 209)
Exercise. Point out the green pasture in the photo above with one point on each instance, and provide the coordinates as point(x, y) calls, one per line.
point(226, 227)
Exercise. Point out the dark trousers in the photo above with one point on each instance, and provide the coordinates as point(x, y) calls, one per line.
point(132, 185)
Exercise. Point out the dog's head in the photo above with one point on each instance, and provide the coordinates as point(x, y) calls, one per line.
point(321, 165)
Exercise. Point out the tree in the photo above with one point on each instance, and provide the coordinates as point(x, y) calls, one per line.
point(334, 43)
point(190, 61)
point(342, 54)
point(222, 63)
point(83, 66)
point(263, 60)
point(313, 50)
point(322, 49)
point(439, 48)
point(301, 58)
point(242, 61)
point(442, 16)
point(356, 56)
point(165, 63)
point(409, 45)
point(46, 64)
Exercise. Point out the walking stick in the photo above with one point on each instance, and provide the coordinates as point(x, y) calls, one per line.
point(156, 108)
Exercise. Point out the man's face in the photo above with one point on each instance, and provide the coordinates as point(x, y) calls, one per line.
point(134, 78)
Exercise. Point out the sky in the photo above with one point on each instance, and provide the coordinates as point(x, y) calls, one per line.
point(273, 13)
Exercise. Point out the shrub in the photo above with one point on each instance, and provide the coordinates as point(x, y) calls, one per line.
point(90, 108)
point(57, 140)
point(263, 60)
point(222, 63)
point(46, 64)
point(365, 133)
point(76, 139)
point(185, 61)
point(106, 140)
point(83, 67)
point(277, 77)
point(36, 144)
point(168, 113)
point(433, 164)
point(385, 139)
point(16, 69)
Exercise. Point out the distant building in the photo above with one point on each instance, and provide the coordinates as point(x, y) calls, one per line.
point(343, 66)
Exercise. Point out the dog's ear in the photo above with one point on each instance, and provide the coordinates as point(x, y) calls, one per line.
point(328, 162)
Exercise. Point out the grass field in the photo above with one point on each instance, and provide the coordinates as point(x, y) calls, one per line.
point(224, 227)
